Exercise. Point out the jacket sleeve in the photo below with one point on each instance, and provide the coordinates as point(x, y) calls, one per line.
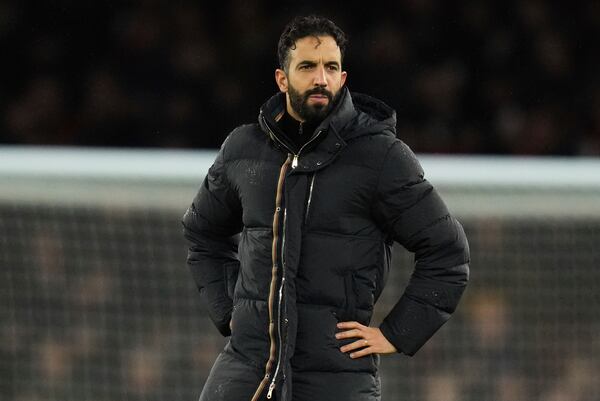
point(210, 225)
point(411, 212)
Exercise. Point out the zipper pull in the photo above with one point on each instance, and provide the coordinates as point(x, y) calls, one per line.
point(295, 161)
point(271, 388)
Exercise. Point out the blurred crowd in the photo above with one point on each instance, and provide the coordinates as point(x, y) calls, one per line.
point(478, 76)
point(101, 307)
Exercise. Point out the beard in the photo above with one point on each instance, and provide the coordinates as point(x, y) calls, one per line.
point(315, 113)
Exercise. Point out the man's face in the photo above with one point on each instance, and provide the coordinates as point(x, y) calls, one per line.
point(313, 79)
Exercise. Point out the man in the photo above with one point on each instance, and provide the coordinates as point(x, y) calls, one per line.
point(318, 191)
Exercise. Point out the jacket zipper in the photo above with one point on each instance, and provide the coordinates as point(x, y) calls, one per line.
point(277, 367)
point(275, 136)
point(272, 350)
point(273, 346)
point(310, 192)
point(296, 155)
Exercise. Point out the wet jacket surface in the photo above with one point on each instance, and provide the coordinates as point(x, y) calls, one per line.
point(288, 242)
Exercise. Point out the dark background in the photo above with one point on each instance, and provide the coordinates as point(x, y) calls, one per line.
point(495, 77)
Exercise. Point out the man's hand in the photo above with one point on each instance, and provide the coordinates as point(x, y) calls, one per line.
point(370, 340)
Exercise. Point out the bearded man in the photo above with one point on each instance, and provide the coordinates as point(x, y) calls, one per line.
point(291, 235)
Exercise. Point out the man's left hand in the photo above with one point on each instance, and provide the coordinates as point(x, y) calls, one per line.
point(370, 340)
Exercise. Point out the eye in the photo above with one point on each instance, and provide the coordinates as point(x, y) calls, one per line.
point(332, 67)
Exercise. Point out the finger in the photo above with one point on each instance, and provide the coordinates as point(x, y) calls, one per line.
point(362, 352)
point(355, 345)
point(349, 325)
point(348, 334)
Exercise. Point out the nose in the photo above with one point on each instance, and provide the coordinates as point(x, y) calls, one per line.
point(320, 77)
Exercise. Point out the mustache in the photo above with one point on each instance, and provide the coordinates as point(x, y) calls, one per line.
point(318, 91)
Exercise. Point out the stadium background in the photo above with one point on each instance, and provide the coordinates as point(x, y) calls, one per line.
point(96, 302)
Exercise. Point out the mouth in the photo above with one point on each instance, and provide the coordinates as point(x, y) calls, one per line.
point(319, 98)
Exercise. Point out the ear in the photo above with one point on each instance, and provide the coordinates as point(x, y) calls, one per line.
point(343, 78)
point(281, 79)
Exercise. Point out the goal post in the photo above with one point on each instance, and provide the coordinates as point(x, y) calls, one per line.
point(165, 179)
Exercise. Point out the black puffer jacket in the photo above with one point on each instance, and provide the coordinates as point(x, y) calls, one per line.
point(315, 232)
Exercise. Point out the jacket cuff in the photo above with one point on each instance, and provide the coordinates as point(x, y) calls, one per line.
point(220, 310)
point(223, 326)
point(396, 341)
point(410, 324)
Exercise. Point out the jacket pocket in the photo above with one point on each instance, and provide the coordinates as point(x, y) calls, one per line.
point(231, 270)
point(349, 311)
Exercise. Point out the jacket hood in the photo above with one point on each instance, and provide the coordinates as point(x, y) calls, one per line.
point(354, 115)
point(373, 116)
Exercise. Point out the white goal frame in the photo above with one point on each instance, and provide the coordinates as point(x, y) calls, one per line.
point(472, 186)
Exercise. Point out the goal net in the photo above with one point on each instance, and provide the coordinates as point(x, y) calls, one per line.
point(98, 305)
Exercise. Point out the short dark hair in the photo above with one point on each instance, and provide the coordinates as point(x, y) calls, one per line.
point(301, 27)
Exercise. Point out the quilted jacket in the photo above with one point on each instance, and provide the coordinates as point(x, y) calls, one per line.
point(285, 243)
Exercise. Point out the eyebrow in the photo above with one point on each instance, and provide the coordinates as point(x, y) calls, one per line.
point(306, 62)
point(311, 63)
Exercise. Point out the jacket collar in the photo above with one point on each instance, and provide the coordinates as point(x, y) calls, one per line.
point(347, 120)
point(342, 113)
